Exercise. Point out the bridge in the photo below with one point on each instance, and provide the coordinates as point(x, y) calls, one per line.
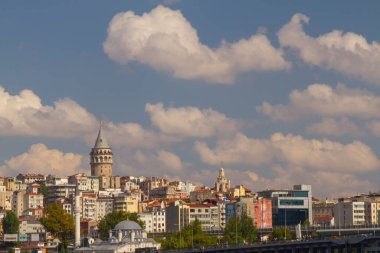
point(361, 244)
point(328, 231)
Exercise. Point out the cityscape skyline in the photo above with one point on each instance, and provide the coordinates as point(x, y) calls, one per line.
point(279, 93)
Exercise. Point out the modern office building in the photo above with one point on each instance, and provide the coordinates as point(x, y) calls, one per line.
point(290, 207)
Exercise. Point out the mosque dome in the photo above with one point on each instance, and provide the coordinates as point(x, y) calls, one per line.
point(127, 225)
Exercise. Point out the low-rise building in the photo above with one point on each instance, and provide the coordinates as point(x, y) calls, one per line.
point(127, 236)
point(348, 213)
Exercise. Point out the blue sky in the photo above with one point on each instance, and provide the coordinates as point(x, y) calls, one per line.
point(279, 92)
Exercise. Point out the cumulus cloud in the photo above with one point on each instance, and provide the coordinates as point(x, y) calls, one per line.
point(190, 121)
point(166, 41)
point(40, 159)
point(331, 126)
point(133, 135)
point(292, 150)
point(24, 114)
point(348, 53)
point(323, 100)
point(162, 163)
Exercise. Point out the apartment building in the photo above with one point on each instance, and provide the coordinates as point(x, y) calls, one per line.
point(155, 221)
point(85, 183)
point(104, 206)
point(127, 203)
point(372, 210)
point(30, 178)
point(177, 216)
point(18, 202)
point(58, 193)
point(88, 203)
point(347, 213)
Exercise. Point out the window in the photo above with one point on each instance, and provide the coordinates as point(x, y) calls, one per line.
point(291, 202)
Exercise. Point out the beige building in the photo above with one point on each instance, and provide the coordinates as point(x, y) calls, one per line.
point(126, 203)
point(3, 196)
point(88, 205)
point(33, 201)
point(372, 210)
point(107, 182)
point(18, 202)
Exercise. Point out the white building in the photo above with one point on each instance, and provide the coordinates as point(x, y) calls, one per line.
point(104, 206)
point(349, 213)
point(127, 236)
point(154, 221)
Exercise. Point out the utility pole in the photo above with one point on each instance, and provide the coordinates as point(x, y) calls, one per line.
point(285, 223)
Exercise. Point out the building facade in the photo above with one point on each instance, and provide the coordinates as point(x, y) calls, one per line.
point(290, 207)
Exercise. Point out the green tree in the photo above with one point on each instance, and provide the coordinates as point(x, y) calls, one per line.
point(279, 234)
point(44, 190)
point(135, 217)
point(112, 219)
point(11, 223)
point(239, 230)
point(59, 223)
point(189, 236)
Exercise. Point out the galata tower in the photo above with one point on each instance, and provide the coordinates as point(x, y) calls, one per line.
point(101, 156)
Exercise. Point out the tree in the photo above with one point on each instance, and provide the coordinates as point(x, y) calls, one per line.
point(189, 236)
point(112, 219)
point(279, 233)
point(58, 222)
point(11, 223)
point(239, 230)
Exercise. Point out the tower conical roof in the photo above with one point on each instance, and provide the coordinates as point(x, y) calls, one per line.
point(101, 142)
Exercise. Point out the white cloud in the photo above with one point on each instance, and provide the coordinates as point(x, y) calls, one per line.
point(24, 114)
point(322, 100)
point(331, 126)
point(40, 159)
point(133, 135)
point(190, 121)
point(348, 53)
point(166, 41)
point(159, 163)
point(291, 150)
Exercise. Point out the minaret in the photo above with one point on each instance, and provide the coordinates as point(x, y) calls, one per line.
point(101, 156)
point(77, 217)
